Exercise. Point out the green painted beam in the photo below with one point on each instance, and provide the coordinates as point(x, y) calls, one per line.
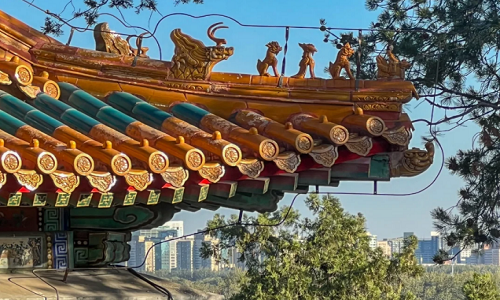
point(319, 176)
point(187, 207)
point(380, 168)
point(375, 168)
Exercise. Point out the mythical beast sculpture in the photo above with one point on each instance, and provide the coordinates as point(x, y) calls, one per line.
point(342, 62)
point(391, 68)
point(273, 48)
point(412, 162)
point(193, 60)
point(307, 61)
point(108, 41)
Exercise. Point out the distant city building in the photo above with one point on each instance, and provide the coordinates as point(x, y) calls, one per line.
point(386, 248)
point(177, 225)
point(373, 241)
point(407, 234)
point(464, 256)
point(428, 248)
point(137, 252)
point(198, 261)
point(164, 255)
point(185, 254)
point(151, 259)
point(490, 256)
point(396, 245)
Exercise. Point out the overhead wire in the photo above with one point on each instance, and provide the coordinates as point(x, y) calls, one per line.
point(205, 231)
point(287, 28)
point(152, 34)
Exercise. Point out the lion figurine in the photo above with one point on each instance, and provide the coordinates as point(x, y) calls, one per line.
point(342, 62)
point(306, 61)
point(273, 48)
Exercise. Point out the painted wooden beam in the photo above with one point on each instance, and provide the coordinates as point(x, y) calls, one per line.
point(319, 176)
point(367, 168)
point(187, 207)
point(334, 183)
point(224, 189)
point(196, 192)
point(208, 205)
point(380, 167)
point(172, 194)
point(257, 186)
point(284, 182)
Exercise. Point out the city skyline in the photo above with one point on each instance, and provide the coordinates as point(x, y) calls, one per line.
point(183, 253)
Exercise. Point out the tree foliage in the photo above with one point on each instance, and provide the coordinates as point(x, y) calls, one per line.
point(90, 11)
point(436, 283)
point(453, 46)
point(224, 282)
point(481, 287)
point(326, 257)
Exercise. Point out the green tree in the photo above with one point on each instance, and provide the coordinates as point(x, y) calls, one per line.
point(481, 287)
point(454, 47)
point(90, 10)
point(326, 257)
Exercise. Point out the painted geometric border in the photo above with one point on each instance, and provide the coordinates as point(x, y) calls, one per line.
point(60, 250)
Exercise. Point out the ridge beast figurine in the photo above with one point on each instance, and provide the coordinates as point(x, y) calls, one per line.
point(273, 48)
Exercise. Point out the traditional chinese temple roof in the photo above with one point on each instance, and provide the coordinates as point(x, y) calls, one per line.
point(112, 127)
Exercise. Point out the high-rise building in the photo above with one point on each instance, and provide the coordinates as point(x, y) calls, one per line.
point(137, 252)
point(386, 248)
point(177, 225)
point(396, 245)
point(164, 253)
point(185, 254)
point(491, 257)
point(151, 259)
point(428, 248)
point(198, 261)
point(373, 241)
point(407, 234)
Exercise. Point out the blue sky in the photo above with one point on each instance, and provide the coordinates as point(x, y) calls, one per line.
point(386, 216)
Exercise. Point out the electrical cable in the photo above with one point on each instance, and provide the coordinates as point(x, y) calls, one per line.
point(219, 228)
point(156, 286)
point(287, 27)
point(291, 206)
point(318, 193)
point(46, 282)
point(152, 34)
point(23, 287)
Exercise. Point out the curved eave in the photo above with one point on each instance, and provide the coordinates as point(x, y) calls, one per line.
point(322, 131)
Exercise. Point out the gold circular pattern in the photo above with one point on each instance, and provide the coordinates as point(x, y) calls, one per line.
point(304, 143)
point(232, 155)
point(24, 75)
point(11, 162)
point(269, 150)
point(195, 159)
point(339, 135)
point(158, 162)
point(121, 164)
point(84, 164)
point(47, 162)
point(376, 126)
point(52, 90)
